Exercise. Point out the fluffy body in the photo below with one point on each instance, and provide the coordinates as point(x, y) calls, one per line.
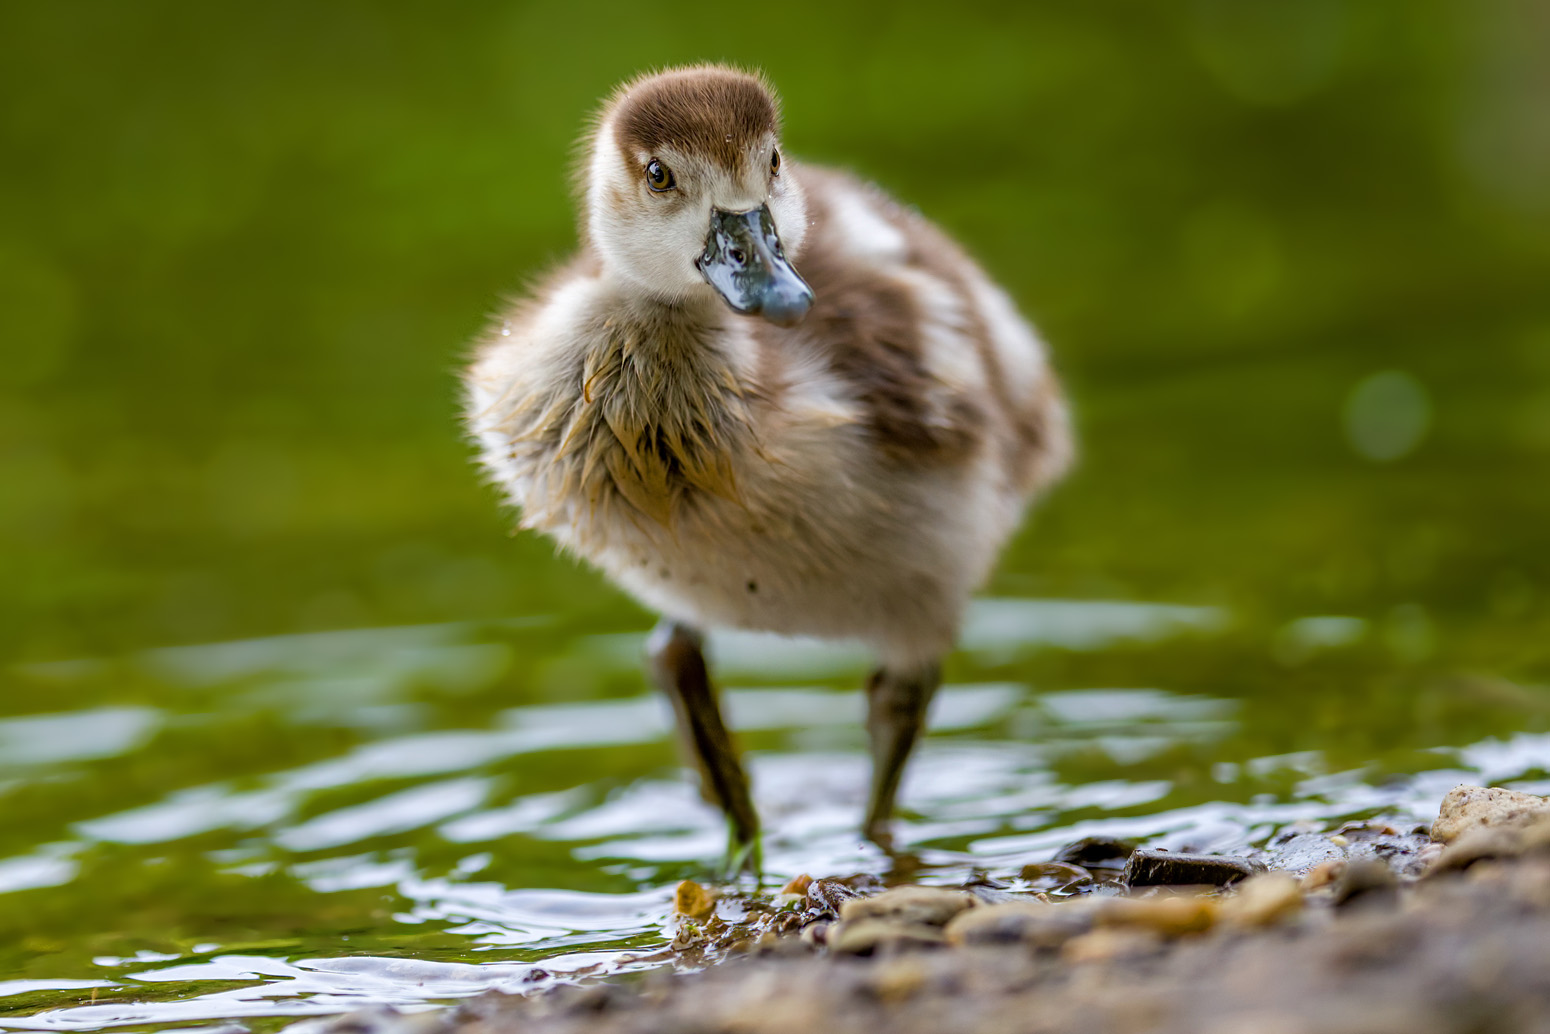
point(854, 476)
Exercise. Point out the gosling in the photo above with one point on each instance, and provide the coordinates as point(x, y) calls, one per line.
point(763, 395)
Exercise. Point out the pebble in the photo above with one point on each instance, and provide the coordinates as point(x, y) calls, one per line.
point(1474, 807)
point(931, 906)
point(830, 895)
point(1034, 923)
point(816, 935)
point(1165, 916)
point(798, 885)
point(896, 980)
point(1367, 882)
point(876, 936)
point(1109, 944)
point(1301, 852)
point(693, 900)
point(1167, 869)
point(1263, 900)
point(1323, 874)
point(1483, 842)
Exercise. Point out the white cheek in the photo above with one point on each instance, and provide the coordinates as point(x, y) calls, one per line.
point(788, 207)
point(653, 250)
point(654, 242)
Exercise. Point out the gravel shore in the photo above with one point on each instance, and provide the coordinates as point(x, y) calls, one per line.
point(1370, 929)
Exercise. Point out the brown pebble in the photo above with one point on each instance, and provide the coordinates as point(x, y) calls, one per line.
point(816, 935)
point(933, 906)
point(798, 885)
point(1475, 845)
point(1169, 917)
point(895, 980)
point(1263, 900)
point(1034, 923)
point(876, 936)
point(693, 900)
point(1323, 874)
point(1366, 881)
point(1106, 945)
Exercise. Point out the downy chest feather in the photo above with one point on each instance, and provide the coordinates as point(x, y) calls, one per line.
point(637, 423)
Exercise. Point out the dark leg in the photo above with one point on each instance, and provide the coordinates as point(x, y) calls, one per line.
point(677, 666)
point(896, 714)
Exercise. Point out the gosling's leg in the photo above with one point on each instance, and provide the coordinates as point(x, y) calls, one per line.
point(677, 666)
point(896, 715)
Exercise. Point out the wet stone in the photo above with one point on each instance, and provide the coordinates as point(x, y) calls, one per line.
point(830, 894)
point(693, 900)
point(1303, 852)
point(1166, 869)
point(1468, 808)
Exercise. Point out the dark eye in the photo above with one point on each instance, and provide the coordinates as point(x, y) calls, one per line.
point(775, 163)
point(659, 177)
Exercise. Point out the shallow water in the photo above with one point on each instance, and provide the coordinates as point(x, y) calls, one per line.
point(377, 827)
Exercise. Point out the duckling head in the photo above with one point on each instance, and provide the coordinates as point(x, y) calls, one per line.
point(686, 193)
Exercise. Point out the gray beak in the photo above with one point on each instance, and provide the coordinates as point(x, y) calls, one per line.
point(743, 261)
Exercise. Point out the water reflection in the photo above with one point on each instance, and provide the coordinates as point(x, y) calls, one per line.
point(498, 838)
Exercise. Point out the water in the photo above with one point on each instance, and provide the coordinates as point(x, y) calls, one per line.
point(377, 827)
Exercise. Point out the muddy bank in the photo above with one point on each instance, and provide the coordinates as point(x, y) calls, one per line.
point(1370, 929)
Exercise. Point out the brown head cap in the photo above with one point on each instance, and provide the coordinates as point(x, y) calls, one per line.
point(709, 109)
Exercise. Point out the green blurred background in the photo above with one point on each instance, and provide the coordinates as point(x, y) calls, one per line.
point(242, 249)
